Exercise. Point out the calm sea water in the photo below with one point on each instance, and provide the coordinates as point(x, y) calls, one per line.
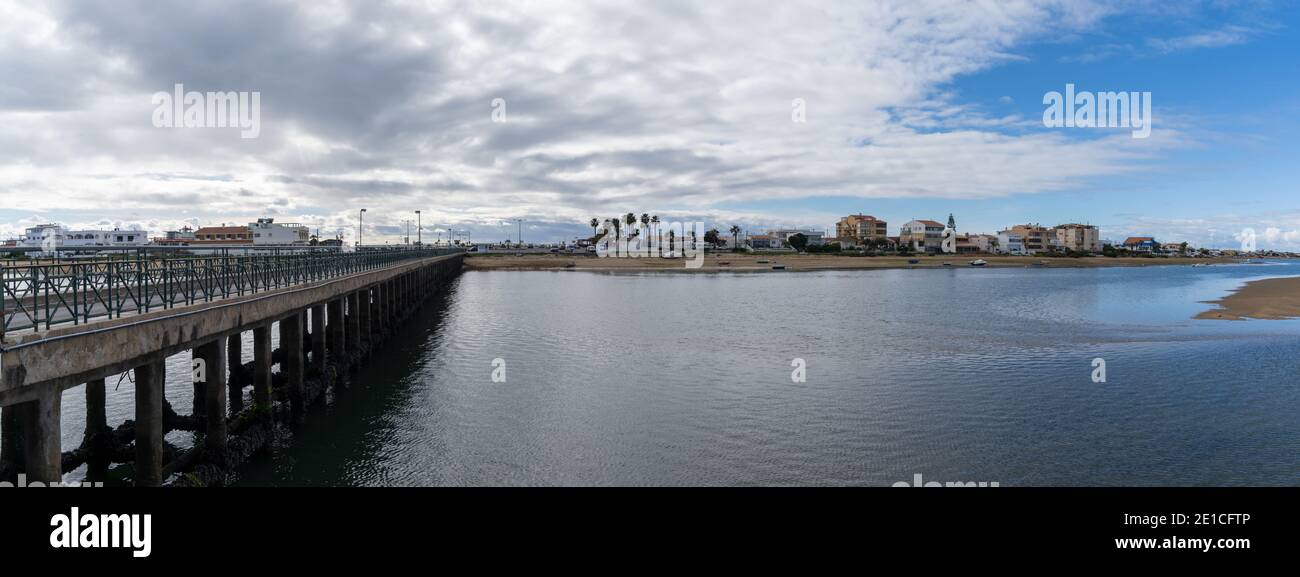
point(686, 379)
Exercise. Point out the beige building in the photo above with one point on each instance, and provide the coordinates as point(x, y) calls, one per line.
point(976, 243)
point(1036, 238)
point(922, 235)
point(1079, 237)
point(861, 227)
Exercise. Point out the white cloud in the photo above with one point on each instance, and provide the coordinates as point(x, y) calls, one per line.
point(671, 105)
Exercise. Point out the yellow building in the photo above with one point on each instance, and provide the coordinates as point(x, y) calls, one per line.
point(862, 227)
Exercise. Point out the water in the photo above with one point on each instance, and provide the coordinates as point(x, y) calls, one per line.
point(685, 379)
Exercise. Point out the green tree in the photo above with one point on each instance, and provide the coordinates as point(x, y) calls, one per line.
point(618, 226)
point(595, 222)
point(798, 240)
point(711, 237)
point(735, 232)
point(654, 223)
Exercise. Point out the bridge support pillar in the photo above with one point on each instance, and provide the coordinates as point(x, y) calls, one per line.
point(335, 327)
point(10, 437)
point(390, 311)
point(381, 310)
point(214, 357)
point(353, 324)
point(406, 293)
point(363, 314)
point(97, 431)
point(291, 331)
point(149, 382)
point(43, 451)
point(318, 338)
point(235, 366)
point(262, 370)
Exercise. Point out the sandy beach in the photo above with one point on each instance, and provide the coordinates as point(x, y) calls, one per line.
point(1274, 298)
point(797, 262)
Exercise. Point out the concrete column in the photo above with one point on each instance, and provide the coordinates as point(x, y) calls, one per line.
point(44, 450)
point(353, 325)
point(335, 327)
point(291, 331)
point(96, 428)
point(318, 338)
point(10, 435)
point(401, 295)
point(235, 367)
point(149, 382)
point(214, 356)
point(363, 314)
point(389, 311)
point(262, 370)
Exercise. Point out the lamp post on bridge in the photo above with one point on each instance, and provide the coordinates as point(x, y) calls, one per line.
point(360, 226)
point(418, 230)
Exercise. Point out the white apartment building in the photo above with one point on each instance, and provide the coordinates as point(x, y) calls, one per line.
point(1010, 242)
point(922, 235)
point(267, 231)
point(61, 238)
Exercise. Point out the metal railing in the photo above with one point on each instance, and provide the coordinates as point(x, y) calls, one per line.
point(40, 296)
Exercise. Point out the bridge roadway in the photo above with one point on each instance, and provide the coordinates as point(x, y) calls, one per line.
point(37, 366)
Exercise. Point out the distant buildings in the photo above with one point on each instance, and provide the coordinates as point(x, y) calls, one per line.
point(225, 235)
point(765, 242)
point(1010, 242)
point(926, 236)
point(56, 236)
point(1079, 237)
point(861, 228)
point(976, 243)
point(1140, 244)
point(263, 232)
point(1037, 238)
point(814, 237)
point(922, 235)
point(267, 231)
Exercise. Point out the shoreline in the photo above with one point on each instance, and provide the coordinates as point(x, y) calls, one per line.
point(1263, 299)
point(804, 262)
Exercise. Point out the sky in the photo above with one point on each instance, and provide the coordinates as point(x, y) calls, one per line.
point(786, 114)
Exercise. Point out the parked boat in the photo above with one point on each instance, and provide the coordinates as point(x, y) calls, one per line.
point(978, 262)
point(913, 261)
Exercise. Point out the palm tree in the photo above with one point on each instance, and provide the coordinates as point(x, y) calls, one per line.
point(735, 230)
point(645, 223)
point(654, 220)
point(617, 226)
point(671, 235)
point(594, 223)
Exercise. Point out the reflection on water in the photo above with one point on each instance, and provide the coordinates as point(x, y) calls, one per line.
point(956, 374)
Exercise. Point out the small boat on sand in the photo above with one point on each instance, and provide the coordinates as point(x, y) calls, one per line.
point(979, 262)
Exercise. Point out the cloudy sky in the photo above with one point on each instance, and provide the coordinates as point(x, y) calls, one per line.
point(685, 109)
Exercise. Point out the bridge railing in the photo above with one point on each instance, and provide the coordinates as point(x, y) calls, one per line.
point(40, 296)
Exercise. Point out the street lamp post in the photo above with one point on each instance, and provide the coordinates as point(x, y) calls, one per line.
point(360, 226)
point(520, 222)
point(418, 229)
